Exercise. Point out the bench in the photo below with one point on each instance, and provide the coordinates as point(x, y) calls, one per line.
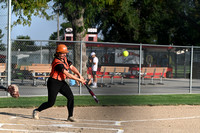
point(32, 71)
point(39, 72)
point(23, 68)
point(112, 71)
point(22, 73)
point(41, 64)
point(153, 72)
point(2, 73)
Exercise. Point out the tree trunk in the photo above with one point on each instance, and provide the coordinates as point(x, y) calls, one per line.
point(79, 35)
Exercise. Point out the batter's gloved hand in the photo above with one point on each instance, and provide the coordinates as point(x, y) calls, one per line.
point(13, 90)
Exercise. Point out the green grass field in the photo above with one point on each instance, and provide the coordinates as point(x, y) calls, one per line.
point(133, 100)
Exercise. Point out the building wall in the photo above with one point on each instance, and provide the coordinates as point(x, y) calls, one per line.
point(88, 37)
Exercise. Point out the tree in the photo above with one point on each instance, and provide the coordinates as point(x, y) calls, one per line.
point(78, 12)
point(2, 46)
point(132, 21)
point(64, 25)
point(51, 45)
point(152, 21)
point(23, 45)
point(25, 9)
point(187, 26)
point(120, 22)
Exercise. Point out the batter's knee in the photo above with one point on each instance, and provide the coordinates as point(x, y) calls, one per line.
point(50, 104)
point(71, 97)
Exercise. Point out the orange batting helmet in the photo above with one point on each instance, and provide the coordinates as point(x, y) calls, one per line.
point(62, 48)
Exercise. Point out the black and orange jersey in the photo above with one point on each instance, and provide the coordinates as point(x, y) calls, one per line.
point(58, 67)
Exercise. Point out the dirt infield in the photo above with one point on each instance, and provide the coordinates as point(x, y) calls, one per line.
point(114, 119)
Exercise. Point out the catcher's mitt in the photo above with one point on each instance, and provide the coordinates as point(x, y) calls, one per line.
point(13, 90)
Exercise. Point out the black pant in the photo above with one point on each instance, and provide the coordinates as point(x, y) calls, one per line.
point(54, 86)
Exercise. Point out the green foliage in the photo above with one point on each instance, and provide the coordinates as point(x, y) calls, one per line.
point(141, 21)
point(25, 9)
point(2, 46)
point(23, 45)
point(187, 22)
point(80, 29)
point(120, 21)
point(1, 35)
point(74, 10)
point(151, 21)
point(53, 36)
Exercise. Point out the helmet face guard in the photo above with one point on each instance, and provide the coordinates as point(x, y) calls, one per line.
point(62, 48)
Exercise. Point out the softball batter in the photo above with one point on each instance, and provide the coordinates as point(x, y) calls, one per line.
point(56, 82)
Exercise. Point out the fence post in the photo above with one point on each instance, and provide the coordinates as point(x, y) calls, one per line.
point(191, 69)
point(41, 56)
point(9, 44)
point(140, 64)
point(80, 89)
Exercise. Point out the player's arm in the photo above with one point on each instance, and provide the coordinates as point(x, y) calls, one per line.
point(60, 68)
point(71, 76)
point(94, 61)
point(75, 70)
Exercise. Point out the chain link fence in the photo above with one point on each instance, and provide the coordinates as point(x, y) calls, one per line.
point(3, 47)
point(3, 25)
point(152, 69)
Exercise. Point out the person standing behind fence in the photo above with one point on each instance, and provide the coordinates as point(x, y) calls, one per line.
point(94, 61)
point(56, 82)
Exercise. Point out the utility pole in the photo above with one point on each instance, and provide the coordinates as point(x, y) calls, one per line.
point(58, 35)
point(9, 44)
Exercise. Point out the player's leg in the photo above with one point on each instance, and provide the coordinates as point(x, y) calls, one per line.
point(66, 91)
point(89, 79)
point(53, 87)
point(94, 79)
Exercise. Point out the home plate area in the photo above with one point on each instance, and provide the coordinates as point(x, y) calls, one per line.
point(58, 125)
point(52, 120)
point(103, 119)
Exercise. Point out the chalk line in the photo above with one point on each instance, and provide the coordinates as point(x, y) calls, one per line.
point(37, 131)
point(92, 128)
point(55, 125)
point(163, 119)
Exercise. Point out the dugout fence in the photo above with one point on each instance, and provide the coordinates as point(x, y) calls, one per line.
point(181, 63)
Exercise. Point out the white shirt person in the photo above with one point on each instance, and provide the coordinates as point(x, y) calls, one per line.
point(95, 62)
